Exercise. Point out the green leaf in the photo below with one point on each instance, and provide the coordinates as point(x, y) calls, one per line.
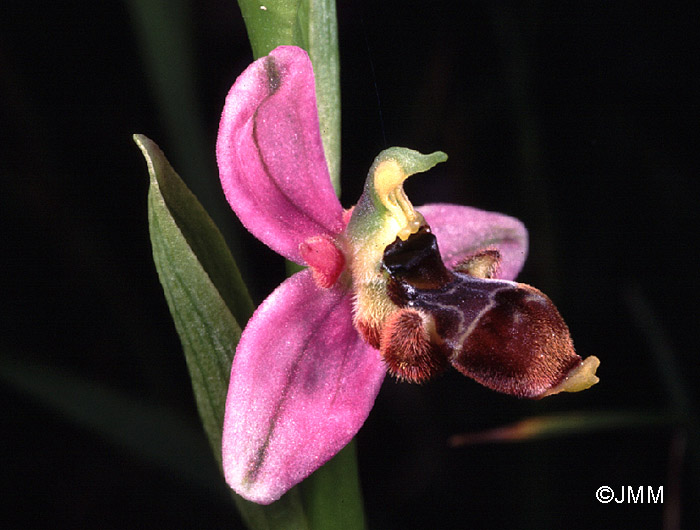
point(332, 494)
point(322, 44)
point(195, 269)
point(311, 25)
point(272, 23)
point(207, 300)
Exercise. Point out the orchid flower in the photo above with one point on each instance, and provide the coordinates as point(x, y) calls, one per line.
point(388, 288)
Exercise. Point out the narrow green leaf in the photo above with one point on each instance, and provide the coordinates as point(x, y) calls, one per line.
point(311, 25)
point(321, 42)
point(186, 246)
point(207, 299)
point(199, 232)
point(333, 494)
point(271, 23)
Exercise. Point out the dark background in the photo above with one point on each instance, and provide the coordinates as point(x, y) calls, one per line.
point(579, 118)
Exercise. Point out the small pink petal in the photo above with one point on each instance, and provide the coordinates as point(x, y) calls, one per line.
point(463, 231)
point(271, 161)
point(302, 384)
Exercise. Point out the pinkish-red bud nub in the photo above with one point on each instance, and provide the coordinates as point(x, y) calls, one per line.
point(324, 258)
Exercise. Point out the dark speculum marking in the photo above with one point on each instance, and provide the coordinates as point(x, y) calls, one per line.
point(505, 335)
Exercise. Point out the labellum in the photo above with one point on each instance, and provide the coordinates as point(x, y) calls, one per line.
point(508, 336)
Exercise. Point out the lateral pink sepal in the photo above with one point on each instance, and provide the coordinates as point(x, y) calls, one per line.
point(302, 384)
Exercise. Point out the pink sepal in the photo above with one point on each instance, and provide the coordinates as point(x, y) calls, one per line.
point(463, 231)
point(270, 155)
point(302, 384)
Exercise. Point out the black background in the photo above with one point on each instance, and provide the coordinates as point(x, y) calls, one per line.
point(578, 118)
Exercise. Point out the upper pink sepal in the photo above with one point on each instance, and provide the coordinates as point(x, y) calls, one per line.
point(302, 385)
point(270, 154)
point(463, 231)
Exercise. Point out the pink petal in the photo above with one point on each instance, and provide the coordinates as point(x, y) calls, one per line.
point(302, 384)
point(462, 231)
point(270, 154)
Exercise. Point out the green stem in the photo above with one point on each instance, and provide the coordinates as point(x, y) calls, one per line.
point(331, 496)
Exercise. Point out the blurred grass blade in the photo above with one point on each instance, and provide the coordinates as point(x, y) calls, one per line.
point(566, 424)
point(163, 30)
point(207, 300)
point(164, 33)
point(154, 433)
point(311, 25)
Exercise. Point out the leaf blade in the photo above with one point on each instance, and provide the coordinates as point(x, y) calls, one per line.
point(333, 493)
point(203, 289)
point(311, 25)
point(207, 328)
